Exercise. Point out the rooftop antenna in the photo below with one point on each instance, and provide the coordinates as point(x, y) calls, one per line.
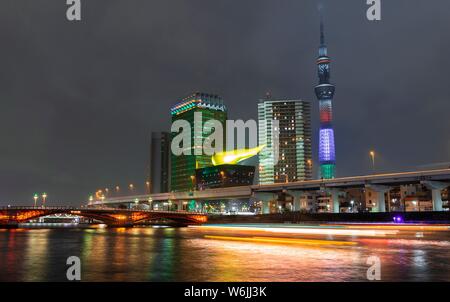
point(322, 36)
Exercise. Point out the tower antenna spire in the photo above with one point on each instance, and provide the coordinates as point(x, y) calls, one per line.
point(322, 35)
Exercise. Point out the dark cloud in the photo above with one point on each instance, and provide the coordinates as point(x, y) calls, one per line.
point(78, 100)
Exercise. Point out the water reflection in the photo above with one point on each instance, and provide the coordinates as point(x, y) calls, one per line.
point(186, 254)
point(36, 261)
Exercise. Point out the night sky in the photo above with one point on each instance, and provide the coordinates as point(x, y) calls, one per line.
point(80, 99)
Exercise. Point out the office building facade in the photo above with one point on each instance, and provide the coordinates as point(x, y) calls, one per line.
point(293, 160)
point(183, 166)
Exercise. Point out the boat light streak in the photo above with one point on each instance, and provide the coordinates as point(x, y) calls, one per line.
point(309, 231)
point(281, 240)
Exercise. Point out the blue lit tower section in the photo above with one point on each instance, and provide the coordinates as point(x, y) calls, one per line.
point(325, 92)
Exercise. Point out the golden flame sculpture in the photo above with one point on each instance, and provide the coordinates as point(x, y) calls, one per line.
point(234, 156)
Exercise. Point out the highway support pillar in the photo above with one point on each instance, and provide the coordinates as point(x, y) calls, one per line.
point(335, 208)
point(296, 195)
point(379, 190)
point(436, 188)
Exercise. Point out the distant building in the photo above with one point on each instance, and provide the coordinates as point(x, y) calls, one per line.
point(324, 203)
point(294, 136)
point(355, 200)
point(371, 198)
point(416, 198)
point(223, 176)
point(183, 166)
point(159, 170)
point(445, 198)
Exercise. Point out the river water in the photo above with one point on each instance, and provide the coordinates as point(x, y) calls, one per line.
point(208, 254)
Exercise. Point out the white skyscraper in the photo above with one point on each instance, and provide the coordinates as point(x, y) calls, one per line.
point(294, 140)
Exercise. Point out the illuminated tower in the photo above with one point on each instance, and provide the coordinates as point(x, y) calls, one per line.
point(325, 92)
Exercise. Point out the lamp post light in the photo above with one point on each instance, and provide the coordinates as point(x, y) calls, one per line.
point(372, 156)
point(131, 186)
point(35, 197)
point(44, 197)
point(147, 184)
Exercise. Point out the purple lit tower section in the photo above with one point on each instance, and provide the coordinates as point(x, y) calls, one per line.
point(325, 92)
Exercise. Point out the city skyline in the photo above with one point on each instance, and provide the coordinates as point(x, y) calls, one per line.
point(224, 149)
point(79, 135)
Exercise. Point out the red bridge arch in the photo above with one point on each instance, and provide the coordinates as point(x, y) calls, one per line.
point(111, 217)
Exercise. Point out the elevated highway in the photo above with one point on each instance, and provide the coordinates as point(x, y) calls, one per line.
point(435, 180)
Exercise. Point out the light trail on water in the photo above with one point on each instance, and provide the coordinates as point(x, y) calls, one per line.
point(305, 231)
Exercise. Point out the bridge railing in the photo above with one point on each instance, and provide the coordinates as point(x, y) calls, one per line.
point(147, 211)
point(66, 208)
point(36, 208)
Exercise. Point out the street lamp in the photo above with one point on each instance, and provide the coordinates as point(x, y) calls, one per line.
point(131, 186)
point(35, 197)
point(147, 183)
point(372, 156)
point(44, 197)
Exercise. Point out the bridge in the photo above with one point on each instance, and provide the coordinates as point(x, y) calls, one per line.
point(12, 216)
point(435, 180)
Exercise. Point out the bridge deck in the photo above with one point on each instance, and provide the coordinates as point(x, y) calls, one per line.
point(387, 179)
